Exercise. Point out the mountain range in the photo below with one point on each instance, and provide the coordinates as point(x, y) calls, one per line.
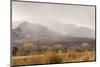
point(34, 32)
point(37, 32)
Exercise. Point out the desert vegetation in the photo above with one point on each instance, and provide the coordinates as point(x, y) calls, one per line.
point(37, 53)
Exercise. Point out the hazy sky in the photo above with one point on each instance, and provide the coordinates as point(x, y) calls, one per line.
point(49, 13)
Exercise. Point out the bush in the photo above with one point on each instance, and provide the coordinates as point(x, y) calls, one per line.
point(55, 58)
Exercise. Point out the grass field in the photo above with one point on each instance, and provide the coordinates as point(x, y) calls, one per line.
point(51, 57)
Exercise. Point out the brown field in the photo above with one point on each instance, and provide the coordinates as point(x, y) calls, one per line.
point(52, 57)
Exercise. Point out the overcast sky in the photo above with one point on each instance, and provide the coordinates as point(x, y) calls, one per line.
point(43, 13)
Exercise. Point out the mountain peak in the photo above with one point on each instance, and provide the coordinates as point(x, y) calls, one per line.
point(83, 32)
point(25, 22)
point(28, 26)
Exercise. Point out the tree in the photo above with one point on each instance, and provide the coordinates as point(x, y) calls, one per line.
point(14, 51)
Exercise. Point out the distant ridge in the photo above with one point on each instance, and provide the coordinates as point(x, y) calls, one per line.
point(37, 32)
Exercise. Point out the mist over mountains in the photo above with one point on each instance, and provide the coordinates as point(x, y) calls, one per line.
point(40, 33)
point(82, 32)
point(34, 32)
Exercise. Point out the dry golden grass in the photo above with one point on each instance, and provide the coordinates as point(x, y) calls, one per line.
point(79, 56)
point(24, 60)
point(51, 57)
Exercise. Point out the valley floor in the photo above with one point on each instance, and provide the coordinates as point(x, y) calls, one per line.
point(51, 57)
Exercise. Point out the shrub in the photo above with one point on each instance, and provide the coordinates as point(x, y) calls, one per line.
point(55, 58)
